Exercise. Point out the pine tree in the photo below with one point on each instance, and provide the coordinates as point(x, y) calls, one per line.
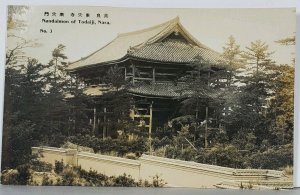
point(257, 54)
point(23, 111)
point(247, 100)
point(282, 106)
point(232, 56)
point(117, 100)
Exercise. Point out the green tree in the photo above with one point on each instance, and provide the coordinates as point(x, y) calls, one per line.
point(232, 56)
point(57, 65)
point(117, 101)
point(257, 54)
point(283, 102)
point(247, 102)
point(287, 41)
point(13, 23)
point(23, 109)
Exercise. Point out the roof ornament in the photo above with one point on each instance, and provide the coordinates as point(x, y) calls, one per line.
point(176, 32)
point(130, 50)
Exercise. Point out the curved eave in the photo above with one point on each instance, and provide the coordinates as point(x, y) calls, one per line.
point(91, 66)
point(152, 96)
point(223, 66)
point(128, 57)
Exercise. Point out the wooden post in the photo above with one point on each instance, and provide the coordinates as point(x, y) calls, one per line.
point(94, 122)
point(206, 115)
point(125, 72)
point(150, 128)
point(153, 75)
point(104, 123)
point(208, 77)
point(197, 111)
point(150, 119)
point(133, 73)
point(206, 127)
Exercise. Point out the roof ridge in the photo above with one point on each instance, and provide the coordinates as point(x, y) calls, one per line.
point(171, 24)
point(167, 23)
point(199, 44)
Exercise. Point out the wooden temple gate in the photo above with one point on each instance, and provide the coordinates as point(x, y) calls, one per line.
point(155, 61)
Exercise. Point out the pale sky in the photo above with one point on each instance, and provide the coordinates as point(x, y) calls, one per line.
point(211, 27)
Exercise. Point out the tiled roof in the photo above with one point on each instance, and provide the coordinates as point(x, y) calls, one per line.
point(118, 47)
point(97, 90)
point(177, 51)
point(148, 40)
point(164, 90)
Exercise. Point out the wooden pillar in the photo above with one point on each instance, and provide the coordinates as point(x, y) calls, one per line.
point(208, 77)
point(94, 121)
point(197, 110)
point(125, 72)
point(104, 129)
point(150, 119)
point(206, 115)
point(206, 127)
point(133, 73)
point(153, 75)
point(150, 128)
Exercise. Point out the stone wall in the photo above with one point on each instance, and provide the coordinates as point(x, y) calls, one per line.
point(176, 173)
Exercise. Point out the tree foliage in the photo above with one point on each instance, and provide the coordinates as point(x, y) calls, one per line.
point(14, 22)
point(35, 110)
point(232, 54)
point(257, 54)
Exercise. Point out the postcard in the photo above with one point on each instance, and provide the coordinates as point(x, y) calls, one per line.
point(149, 97)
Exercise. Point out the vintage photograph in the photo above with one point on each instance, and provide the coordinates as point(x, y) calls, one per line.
point(149, 97)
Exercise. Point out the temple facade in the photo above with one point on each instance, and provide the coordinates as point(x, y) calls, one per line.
point(157, 62)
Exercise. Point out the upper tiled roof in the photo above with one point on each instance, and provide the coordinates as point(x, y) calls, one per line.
point(123, 45)
point(177, 51)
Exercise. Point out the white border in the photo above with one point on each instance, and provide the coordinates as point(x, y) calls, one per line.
point(167, 4)
point(164, 3)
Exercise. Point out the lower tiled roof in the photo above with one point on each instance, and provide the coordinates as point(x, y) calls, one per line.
point(166, 89)
point(170, 90)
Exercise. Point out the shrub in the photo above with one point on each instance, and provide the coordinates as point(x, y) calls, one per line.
point(40, 166)
point(188, 154)
point(23, 174)
point(107, 145)
point(59, 166)
point(69, 177)
point(9, 177)
point(93, 177)
point(222, 155)
point(158, 143)
point(131, 156)
point(46, 181)
point(273, 158)
point(158, 182)
point(124, 181)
